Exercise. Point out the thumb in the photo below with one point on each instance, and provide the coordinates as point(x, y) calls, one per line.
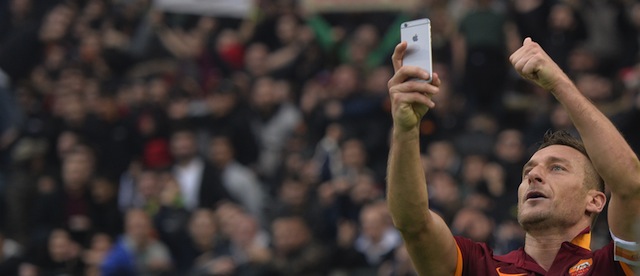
point(527, 41)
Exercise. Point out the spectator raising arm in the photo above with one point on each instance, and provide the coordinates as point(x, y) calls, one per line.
point(429, 241)
point(610, 154)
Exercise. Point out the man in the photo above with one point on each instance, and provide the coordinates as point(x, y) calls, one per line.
point(137, 252)
point(200, 183)
point(558, 198)
point(240, 181)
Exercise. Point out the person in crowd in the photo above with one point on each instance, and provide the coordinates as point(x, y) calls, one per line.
point(95, 254)
point(241, 182)
point(484, 39)
point(275, 118)
point(105, 215)
point(59, 254)
point(11, 253)
point(69, 205)
point(200, 183)
point(204, 243)
point(137, 251)
point(229, 115)
point(378, 239)
point(294, 250)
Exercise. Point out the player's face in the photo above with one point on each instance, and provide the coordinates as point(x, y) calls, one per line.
point(552, 192)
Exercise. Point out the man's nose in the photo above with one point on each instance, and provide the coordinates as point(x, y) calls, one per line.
point(535, 175)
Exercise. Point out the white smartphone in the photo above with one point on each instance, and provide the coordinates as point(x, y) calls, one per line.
point(417, 34)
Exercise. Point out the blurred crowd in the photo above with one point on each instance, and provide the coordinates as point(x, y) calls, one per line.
point(135, 141)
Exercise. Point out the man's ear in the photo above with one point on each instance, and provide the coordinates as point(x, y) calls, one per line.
point(596, 201)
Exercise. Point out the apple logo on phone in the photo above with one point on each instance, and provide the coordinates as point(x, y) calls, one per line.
point(415, 38)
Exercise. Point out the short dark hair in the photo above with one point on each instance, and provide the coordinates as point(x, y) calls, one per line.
point(564, 138)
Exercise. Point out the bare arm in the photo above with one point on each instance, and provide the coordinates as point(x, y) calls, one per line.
point(610, 154)
point(428, 239)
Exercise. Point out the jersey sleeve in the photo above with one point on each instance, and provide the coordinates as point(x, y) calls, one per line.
point(473, 257)
point(626, 252)
point(606, 263)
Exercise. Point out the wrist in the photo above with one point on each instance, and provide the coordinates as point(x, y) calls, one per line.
point(562, 86)
point(402, 134)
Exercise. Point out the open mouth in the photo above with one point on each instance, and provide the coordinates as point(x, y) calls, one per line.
point(535, 195)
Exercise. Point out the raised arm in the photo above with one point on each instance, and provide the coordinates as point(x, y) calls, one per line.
point(610, 154)
point(428, 239)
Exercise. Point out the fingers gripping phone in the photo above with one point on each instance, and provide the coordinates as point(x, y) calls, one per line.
point(417, 34)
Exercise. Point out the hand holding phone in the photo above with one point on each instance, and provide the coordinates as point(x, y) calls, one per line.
point(417, 34)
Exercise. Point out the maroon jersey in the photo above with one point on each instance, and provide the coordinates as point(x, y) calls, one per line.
point(574, 258)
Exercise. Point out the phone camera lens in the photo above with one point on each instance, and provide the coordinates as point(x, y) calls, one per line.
point(406, 25)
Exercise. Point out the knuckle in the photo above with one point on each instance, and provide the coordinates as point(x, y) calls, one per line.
point(390, 84)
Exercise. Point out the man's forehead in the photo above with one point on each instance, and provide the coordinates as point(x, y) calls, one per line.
point(558, 153)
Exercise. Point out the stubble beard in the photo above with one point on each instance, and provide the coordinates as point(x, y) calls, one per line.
point(537, 221)
point(544, 220)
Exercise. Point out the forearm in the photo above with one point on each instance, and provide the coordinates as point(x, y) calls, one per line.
point(406, 189)
point(428, 239)
point(610, 154)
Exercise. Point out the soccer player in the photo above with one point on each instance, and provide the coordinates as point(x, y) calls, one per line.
point(559, 197)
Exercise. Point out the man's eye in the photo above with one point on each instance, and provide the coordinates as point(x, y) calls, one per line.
point(557, 168)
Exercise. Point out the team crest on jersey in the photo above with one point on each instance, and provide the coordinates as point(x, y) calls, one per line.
point(581, 268)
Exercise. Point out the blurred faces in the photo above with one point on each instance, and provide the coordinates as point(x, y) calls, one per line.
point(183, 145)
point(561, 17)
point(67, 140)
point(293, 193)
point(56, 23)
point(138, 227)
point(221, 103)
point(227, 214)
point(263, 96)
point(77, 168)
point(71, 108)
point(290, 234)
point(221, 151)
point(365, 189)
point(344, 81)
point(102, 190)
point(375, 221)
point(354, 154)
point(203, 228)
point(560, 118)
point(595, 87)
point(473, 224)
point(245, 231)
point(61, 247)
point(148, 184)
point(443, 155)
point(20, 7)
point(90, 47)
point(255, 59)
point(287, 28)
point(444, 190)
point(363, 41)
point(509, 146)
point(158, 91)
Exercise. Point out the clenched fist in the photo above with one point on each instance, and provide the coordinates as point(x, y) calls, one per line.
point(533, 63)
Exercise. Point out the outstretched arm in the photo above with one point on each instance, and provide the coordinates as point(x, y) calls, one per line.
point(610, 154)
point(428, 239)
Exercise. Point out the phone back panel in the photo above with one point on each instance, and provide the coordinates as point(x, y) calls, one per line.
point(417, 34)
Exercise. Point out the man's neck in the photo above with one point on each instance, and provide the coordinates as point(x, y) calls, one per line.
point(543, 245)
